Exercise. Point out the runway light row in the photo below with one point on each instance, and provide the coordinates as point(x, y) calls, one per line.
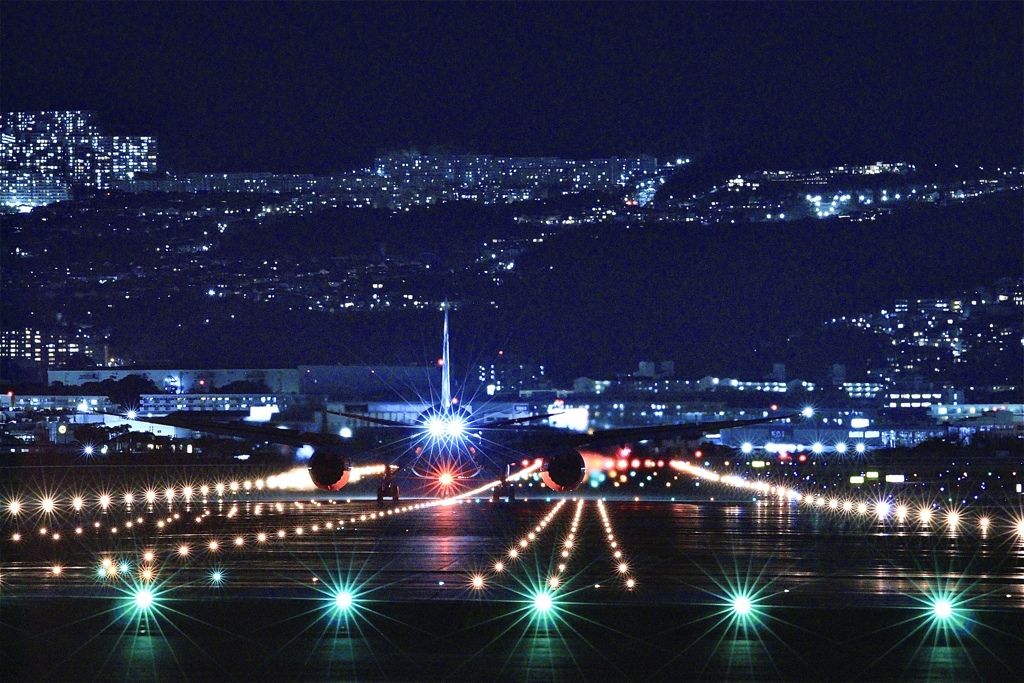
point(188, 493)
point(524, 543)
point(295, 479)
point(621, 566)
point(883, 510)
point(944, 610)
point(49, 504)
point(567, 547)
point(122, 569)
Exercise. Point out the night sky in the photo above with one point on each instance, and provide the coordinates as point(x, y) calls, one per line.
point(304, 87)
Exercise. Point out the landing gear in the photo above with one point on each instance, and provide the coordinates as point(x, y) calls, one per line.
point(387, 491)
point(388, 488)
point(504, 490)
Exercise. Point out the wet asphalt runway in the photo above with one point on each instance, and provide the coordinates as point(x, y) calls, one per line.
point(278, 587)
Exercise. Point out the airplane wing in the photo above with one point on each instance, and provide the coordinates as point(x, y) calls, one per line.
point(690, 430)
point(515, 420)
point(492, 425)
point(245, 430)
point(372, 420)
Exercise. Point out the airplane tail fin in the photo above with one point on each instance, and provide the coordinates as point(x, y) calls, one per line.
point(446, 379)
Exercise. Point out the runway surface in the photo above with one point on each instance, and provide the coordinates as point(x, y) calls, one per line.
point(259, 585)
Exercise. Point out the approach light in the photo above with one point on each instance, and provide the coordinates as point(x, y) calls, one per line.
point(747, 448)
point(840, 447)
point(131, 414)
point(817, 447)
point(87, 450)
point(860, 448)
point(807, 412)
point(216, 577)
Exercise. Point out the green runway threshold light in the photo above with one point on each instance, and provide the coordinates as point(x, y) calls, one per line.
point(143, 599)
point(343, 601)
point(542, 602)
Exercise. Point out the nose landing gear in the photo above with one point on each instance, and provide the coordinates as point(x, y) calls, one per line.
point(504, 489)
point(388, 488)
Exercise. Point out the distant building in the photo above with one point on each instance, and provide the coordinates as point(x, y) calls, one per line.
point(25, 190)
point(67, 147)
point(35, 345)
point(162, 404)
point(71, 403)
point(51, 143)
point(184, 380)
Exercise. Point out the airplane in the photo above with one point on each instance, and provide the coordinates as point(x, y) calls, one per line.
point(451, 442)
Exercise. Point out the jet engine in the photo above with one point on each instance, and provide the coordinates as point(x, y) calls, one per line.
point(564, 471)
point(328, 470)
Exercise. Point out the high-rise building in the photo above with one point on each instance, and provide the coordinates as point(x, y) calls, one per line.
point(67, 146)
point(131, 156)
point(45, 142)
point(25, 190)
point(36, 345)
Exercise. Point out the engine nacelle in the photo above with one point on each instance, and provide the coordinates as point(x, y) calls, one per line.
point(328, 470)
point(564, 471)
